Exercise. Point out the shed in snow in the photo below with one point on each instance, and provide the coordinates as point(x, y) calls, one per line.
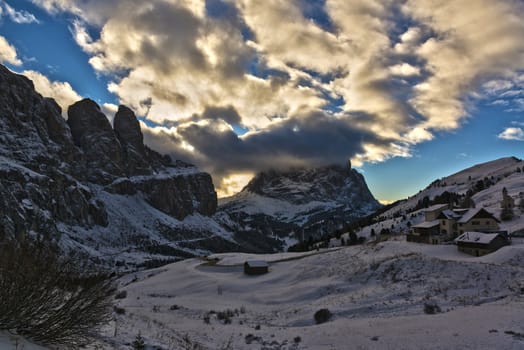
point(256, 267)
point(479, 243)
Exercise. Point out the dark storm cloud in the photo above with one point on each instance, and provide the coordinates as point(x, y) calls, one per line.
point(312, 140)
point(228, 114)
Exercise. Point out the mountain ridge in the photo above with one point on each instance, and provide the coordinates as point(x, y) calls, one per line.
point(299, 203)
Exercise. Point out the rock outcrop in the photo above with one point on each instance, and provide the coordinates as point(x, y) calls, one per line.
point(127, 129)
point(299, 204)
point(93, 134)
point(87, 184)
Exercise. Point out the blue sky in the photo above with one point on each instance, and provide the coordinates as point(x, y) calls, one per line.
point(410, 91)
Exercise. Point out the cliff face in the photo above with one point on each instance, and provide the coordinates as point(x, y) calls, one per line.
point(299, 204)
point(58, 177)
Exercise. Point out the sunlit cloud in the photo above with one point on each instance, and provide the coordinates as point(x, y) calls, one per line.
point(360, 86)
point(8, 53)
point(62, 92)
point(514, 134)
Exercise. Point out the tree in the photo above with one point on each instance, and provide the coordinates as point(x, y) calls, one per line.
point(506, 214)
point(138, 343)
point(48, 298)
point(353, 238)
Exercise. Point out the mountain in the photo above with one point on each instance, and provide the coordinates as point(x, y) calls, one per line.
point(297, 204)
point(97, 188)
point(480, 185)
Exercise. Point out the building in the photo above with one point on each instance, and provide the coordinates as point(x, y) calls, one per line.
point(425, 232)
point(479, 220)
point(256, 267)
point(507, 201)
point(479, 243)
point(433, 212)
point(443, 224)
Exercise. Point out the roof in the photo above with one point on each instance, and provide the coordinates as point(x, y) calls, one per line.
point(436, 207)
point(476, 237)
point(470, 214)
point(449, 214)
point(257, 263)
point(427, 224)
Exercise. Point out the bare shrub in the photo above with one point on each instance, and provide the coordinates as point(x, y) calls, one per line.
point(431, 308)
point(45, 297)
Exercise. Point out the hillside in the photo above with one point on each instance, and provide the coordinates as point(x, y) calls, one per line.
point(482, 183)
point(376, 293)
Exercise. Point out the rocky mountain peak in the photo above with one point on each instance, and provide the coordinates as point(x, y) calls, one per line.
point(127, 129)
point(331, 182)
point(300, 203)
point(83, 179)
point(93, 134)
point(31, 126)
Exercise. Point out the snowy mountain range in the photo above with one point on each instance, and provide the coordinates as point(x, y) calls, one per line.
point(97, 188)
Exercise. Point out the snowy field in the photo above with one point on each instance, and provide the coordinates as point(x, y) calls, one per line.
point(376, 294)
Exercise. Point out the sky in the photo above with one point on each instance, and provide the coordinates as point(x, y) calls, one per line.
point(407, 90)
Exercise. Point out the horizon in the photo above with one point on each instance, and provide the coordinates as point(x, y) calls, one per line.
point(420, 92)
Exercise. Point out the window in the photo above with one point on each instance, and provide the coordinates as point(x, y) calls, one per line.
point(475, 222)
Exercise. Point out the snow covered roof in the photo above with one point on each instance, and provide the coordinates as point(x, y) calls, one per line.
point(257, 263)
point(427, 224)
point(435, 207)
point(476, 237)
point(470, 214)
point(449, 214)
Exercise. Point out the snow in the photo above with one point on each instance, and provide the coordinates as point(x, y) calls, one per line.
point(476, 237)
point(428, 224)
point(502, 172)
point(16, 342)
point(7, 164)
point(256, 263)
point(376, 293)
point(469, 215)
point(252, 203)
point(133, 222)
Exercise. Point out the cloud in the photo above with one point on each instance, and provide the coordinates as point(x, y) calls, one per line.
point(62, 92)
point(20, 17)
point(471, 46)
point(516, 134)
point(203, 68)
point(404, 70)
point(312, 139)
point(8, 53)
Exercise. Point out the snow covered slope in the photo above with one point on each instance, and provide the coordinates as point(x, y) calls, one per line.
point(380, 296)
point(483, 183)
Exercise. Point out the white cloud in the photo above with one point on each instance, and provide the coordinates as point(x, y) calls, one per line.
point(170, 61)
point(405, 70)
point(516, 134)
point(8, 53)
point(62, 92)
point(20, 17)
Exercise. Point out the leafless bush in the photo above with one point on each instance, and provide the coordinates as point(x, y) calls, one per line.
point(45, 296)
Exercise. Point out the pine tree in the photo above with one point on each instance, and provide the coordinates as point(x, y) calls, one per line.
point(138, 343)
